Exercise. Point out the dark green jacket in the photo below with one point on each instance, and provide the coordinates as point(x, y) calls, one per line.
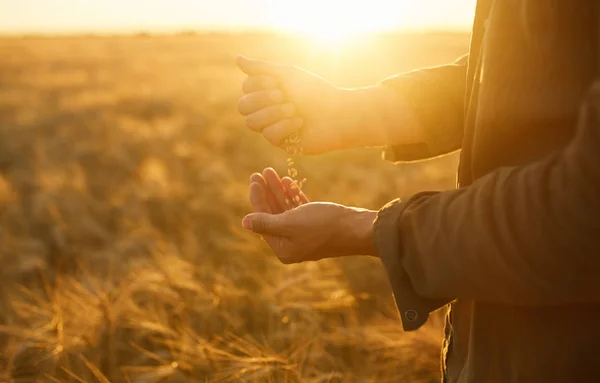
point(515, 249)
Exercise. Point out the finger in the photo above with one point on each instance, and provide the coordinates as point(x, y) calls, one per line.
point(319, 139)
point(255, 101)
point(264, 223)
point(277, 132)
point(258, 178)
point(256, 83)
point(292, 191)
point(271, 201)
point(259, 120)
point(258, 67)
point(258, 198)
point(276, 187)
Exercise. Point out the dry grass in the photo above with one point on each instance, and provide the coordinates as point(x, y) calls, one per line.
point(123, 179)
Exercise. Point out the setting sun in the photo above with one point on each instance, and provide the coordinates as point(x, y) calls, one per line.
point(337, 21)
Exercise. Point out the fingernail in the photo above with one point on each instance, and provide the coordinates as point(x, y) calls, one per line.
point(298, 121)
point(247, 223)
point(276, 96)
point(289, 109)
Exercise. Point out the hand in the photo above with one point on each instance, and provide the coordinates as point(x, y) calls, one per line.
point(309, 231)
point(281, 100)
point(274, 195)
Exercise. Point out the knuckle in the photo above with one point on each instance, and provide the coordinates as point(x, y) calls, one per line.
point(258, 83)
point(247, 85)
point(286, 128)
point(244, 105)
point(252, 123)
point(253, 102)
point(256, 100)
point(273, 141)
point(274, 113)
point(268, 82)
point(240, 106)
point(272, 136)
point(259, 225)
point(266, 98)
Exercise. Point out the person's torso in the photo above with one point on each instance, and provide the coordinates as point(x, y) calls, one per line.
point(532, 63)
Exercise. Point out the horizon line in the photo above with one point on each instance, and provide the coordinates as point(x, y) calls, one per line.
point(207, 30)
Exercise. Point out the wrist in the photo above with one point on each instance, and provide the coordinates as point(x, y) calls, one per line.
point(363, 110)
point(360, 232)
point(381, 117)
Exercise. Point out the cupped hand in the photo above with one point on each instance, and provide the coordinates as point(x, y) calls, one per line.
point(305, 231)
point(274, 195)
point(281, 100)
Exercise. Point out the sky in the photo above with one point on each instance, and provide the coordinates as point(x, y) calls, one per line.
point(310, 16)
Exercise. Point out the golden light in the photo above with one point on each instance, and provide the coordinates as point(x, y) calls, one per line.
point(337, 21)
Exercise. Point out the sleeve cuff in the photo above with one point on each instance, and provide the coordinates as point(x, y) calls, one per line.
point(407, 153)
point(428, 97)
point(413, 309)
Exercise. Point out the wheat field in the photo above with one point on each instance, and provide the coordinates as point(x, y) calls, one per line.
point(124, 173)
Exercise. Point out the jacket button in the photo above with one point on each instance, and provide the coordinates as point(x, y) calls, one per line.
point(411, 315)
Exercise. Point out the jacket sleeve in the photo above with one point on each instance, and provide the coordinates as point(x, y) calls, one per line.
point(526, 235)
point(436, 96)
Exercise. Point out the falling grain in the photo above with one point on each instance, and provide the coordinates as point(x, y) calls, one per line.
point(293, 148)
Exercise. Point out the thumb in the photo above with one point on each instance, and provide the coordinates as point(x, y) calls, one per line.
point(254, 67)
point(263, 223)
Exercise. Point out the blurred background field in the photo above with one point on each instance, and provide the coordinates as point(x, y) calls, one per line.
point(124, 169)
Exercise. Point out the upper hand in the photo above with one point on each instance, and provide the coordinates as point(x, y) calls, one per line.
point(282, 99)
point(305, 231)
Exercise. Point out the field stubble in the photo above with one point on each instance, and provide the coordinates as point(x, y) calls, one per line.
point(123, 178)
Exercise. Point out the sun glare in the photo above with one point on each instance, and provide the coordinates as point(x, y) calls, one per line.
point(331, 34)
point(337, 22)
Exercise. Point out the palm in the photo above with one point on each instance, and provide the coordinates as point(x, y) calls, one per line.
point(271, 194)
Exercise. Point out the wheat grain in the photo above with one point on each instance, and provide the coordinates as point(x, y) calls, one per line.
point(294, 148)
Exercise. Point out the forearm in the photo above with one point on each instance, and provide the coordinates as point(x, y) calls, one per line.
point(434, 98)
point(420, 111)
point(521, 235)
point(380, 117)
